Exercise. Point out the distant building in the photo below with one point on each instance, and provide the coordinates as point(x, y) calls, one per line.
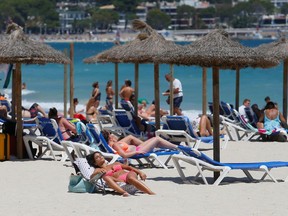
point(67, 18)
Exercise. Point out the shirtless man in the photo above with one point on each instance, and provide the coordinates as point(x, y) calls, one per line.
point(126, 90)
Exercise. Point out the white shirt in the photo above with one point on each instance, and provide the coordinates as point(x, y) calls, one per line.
point(177, 84)
point(243, 112)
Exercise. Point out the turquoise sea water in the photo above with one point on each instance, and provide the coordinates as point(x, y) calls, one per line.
point(45, 82)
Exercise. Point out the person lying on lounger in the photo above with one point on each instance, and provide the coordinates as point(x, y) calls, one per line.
point(33, 111)
point(117, 172)
point(130, 145)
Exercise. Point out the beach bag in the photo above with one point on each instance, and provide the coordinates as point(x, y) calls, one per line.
point(77, 184)
point(9, 127)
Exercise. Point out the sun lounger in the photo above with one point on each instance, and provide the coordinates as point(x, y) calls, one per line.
point(204, 162)
point(179, 129)
point(150, 157)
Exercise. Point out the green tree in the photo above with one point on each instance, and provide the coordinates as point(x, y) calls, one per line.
point(243, 21)
point(30, 12)
point(126, 7)
point(157, 19)
point(185, 13)
point(103, 19)
point(284, 8)
point(103, 2)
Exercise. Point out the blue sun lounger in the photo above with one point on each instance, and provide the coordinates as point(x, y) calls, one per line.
point(203, 162)
point(150, 157)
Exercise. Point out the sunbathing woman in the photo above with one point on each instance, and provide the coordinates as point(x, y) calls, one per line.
point(117, 172)
point(130, 145)
point(67, 128)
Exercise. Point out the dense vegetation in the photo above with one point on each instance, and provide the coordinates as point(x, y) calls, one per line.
point(42, 16)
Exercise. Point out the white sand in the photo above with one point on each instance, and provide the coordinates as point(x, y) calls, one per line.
point(40, 188)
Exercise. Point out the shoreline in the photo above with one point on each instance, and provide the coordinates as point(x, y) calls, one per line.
point(168, 35)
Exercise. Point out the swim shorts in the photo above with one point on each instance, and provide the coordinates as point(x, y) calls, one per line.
point(177, 101)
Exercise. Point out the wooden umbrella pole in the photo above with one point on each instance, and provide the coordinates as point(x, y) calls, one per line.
point(18, 103)
point(216, 127)
point(237, 88)
point(14, 79)
point(136, 77)
point(65, 87)
point(285, 83)
point(204, 90)
point(171, 90)
point(157, 101)
point(116, 85)
point(71, 78)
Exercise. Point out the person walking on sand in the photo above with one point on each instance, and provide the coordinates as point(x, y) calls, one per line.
point(177, 94)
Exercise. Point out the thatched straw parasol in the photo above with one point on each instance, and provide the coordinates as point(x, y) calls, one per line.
point(217, 50)
point(280, 49)
point(17, 48)
point(144, 49)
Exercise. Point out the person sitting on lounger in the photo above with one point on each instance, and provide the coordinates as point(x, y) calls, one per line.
point(272, 120)
point(117, 172)
point(67, 128)
point(203, 127)
point(246, 103)
point(130, 145)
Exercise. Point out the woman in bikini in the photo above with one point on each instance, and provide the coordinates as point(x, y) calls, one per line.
point(109, 94)
point(130, 145)
point(117, 172)
point(96, 94)
point(91, 110)
point(67, 128)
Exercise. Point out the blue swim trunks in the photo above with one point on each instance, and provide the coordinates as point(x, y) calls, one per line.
point(177, 101)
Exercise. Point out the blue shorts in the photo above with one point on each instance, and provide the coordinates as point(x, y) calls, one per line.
point(177, 101)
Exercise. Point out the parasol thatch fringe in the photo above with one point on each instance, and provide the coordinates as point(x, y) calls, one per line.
point(12, 27)
point(140, 25)
point(216, 49)
point(18, 48)
point(142, 36)
point(279, 49)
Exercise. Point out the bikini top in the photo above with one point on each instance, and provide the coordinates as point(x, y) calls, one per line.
point(124, 146)
point(115, 169)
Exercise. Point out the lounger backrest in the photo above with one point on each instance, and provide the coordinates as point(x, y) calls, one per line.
point(227, 109)
point(125, 119)
point(221, 111)
point(96, 135)
point(251, 116)
point(7, 104)
point(180, 123)
point(105, 144)
point(47, 129)
point(127, 105)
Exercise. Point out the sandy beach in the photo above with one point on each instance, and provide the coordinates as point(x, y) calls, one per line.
point(40, 188)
